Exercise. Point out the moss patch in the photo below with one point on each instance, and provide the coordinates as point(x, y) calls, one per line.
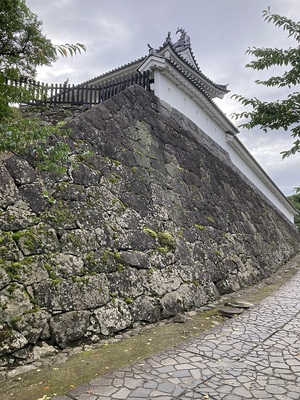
point(200, 227)
point(150, 232)
point(166, 240)
point(5, 333)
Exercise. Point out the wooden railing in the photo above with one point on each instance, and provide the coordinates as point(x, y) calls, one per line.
point(43, 94)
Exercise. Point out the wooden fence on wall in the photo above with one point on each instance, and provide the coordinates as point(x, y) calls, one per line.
point(51, 94)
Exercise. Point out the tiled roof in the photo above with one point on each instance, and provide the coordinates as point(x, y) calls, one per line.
point(138, 61)
point(168, 42)
point(223, 88)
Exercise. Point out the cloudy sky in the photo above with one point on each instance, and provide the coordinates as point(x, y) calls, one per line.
point(116, 32)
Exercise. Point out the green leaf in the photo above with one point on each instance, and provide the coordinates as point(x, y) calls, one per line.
point(279, 113)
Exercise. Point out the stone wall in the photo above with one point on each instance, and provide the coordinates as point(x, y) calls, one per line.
point(150, 220)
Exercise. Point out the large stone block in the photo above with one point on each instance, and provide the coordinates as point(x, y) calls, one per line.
point(20, 170)
point(10, 340)
point(113, 317)
point(68, 327)
point(9, 192)
point(80, 293)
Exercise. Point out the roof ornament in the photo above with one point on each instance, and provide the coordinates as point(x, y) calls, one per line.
point(168, 39)
point(184, 40)
point(151, 49)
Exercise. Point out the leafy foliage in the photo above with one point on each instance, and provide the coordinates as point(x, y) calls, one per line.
point(295, 200)
point(283, 113)
point(23, 48)
point(72, 49)
point(42, 144)
point(22, 45)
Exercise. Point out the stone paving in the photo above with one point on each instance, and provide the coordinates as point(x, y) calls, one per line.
point(253, 356)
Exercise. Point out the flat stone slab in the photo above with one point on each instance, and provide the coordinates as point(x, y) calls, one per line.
point(230, 311)
point(238, 304)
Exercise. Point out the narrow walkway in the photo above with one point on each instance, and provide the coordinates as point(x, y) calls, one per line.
point(253, 356)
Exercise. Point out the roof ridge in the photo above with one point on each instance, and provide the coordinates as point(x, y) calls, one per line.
point(116, 69)
point(220, 86)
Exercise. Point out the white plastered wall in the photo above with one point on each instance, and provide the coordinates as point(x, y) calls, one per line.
point(169, 92)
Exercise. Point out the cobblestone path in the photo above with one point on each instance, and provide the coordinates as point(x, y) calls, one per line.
point(253, 356)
